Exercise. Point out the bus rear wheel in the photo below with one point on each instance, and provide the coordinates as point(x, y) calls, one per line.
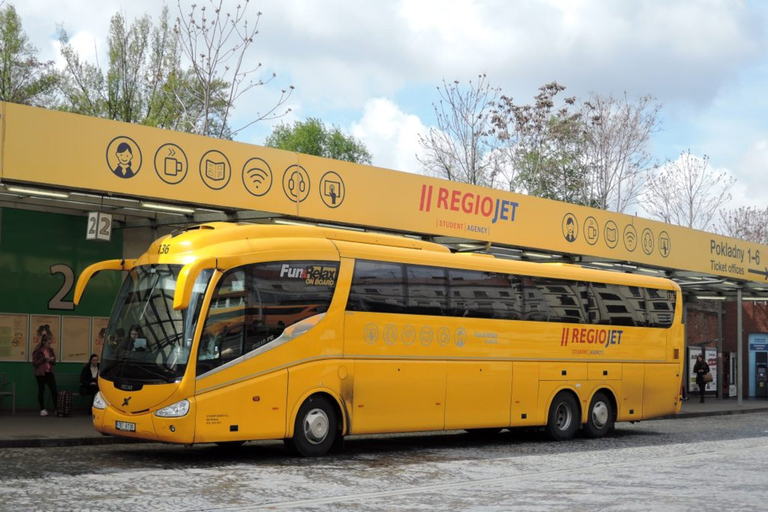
point(600, 420)
point(564, 417)
point(315, 429)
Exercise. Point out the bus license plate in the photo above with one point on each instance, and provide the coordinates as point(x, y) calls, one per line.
point(124, 425)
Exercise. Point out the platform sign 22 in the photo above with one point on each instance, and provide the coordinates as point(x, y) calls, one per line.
point(99, 226)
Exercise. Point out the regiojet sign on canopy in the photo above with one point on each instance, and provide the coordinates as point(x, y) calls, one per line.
point(119, 158)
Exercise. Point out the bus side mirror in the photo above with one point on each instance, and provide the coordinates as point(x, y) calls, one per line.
point(92, 270)
point(185, 283)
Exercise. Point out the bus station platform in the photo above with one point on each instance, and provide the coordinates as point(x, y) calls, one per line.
point(27, 429)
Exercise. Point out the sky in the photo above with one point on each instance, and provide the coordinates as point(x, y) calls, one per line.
point(371, 67)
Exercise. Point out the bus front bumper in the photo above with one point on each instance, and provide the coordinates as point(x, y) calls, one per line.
point(147, 426)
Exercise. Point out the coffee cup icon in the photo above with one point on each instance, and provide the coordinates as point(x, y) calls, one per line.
point(591, 232)
point(171, 166)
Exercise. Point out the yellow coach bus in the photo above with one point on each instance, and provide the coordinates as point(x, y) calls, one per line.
point(310, 334)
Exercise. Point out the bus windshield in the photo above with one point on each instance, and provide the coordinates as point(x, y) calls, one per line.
point(147, 341)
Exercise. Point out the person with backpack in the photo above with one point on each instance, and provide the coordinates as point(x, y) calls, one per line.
point(43, 361)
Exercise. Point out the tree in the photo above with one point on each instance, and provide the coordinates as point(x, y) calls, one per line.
point(687, 192)
point(748, 223)
point(461, 147)
point(314, 138)
point(142, 80)
point(615, 148)
point(543, 146)
point(23, 78)
point(216, 44)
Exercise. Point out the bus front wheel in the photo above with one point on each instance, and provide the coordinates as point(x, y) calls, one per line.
point(564, 417)
point(600, 420)
point(315, 429)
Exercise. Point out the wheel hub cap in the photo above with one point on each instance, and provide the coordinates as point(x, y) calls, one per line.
point(600, 415)
point(563, 417)
point(316, 426)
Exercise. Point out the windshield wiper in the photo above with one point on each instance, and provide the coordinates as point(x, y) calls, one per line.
point(166, 377)
point(106, 369)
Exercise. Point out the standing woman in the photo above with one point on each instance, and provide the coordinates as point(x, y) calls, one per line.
point(43, 359)
point(701, 368)
point(89, 377)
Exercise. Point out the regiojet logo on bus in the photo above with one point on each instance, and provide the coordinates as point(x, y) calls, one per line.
point(590, 336)
point(474, 204)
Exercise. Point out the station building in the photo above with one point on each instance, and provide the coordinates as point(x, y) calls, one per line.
point(75, 190)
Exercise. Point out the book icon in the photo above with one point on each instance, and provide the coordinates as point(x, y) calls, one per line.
point(611, 234)
point(215, 171)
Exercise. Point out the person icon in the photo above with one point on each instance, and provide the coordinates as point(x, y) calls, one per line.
point(570, 229)
point(124, 155)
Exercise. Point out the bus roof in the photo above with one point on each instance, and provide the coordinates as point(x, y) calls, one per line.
point(224, 245)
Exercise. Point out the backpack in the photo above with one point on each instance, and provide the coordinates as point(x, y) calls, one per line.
point(64, 404)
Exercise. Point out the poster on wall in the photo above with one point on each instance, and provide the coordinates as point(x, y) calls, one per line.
point(54, 324)
point(710, 356)
point(693, 352)
point(75, 339)
point(13, 337)
point(99, 331)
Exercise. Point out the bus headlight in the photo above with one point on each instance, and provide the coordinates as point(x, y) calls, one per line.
point(99, 402)
point(174, 410)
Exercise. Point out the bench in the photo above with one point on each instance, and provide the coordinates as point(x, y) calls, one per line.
point(6, 391)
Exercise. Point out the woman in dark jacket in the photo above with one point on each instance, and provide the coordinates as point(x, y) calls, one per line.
point(701, 368)
point(89, 377)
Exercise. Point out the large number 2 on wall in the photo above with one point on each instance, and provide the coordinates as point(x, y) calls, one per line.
point(57, 301)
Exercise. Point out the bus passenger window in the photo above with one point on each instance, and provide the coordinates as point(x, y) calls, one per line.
point(427, 291)
point(556, 300)
point(253, 305)
point(377, 287)
point(478, 294)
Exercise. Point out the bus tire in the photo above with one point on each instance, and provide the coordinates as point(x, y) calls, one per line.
point(563, 420)
point(600, 416)
point(315, 429)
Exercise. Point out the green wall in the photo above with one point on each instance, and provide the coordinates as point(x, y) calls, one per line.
point(30, 244)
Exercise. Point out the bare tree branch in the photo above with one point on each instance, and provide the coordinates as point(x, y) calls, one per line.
point(616, 147)
point(687, 192)
point(461, 147)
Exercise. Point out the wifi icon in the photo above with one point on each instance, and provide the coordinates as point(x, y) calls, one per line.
point(257, 176)
point(630, 238)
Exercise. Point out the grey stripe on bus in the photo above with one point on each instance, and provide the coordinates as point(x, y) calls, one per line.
point(395, 358)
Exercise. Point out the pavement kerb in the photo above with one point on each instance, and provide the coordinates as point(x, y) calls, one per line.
point(66, 442)
point(703, 414)
point(49, 442)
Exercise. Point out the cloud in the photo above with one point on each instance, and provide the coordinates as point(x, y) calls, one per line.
point(750, 189)
point(85, 44)
point(673, 49)
point(390, 135)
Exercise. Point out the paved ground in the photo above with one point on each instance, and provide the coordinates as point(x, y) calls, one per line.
point(688, 463)
point(28, 429)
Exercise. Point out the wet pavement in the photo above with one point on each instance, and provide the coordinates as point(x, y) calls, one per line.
point(29, 429)
point(687, 463)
